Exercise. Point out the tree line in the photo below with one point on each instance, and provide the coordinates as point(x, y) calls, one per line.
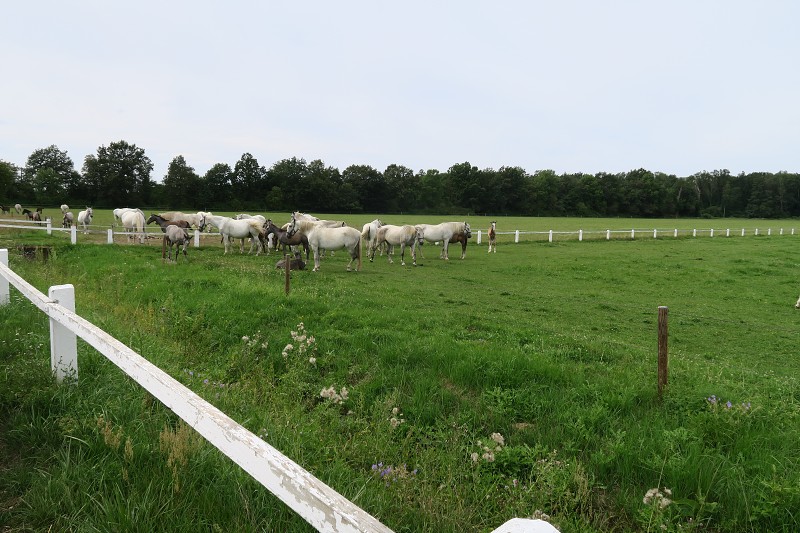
point(120, 175)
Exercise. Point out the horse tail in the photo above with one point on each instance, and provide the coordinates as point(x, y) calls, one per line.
point(358, 251)
point(365, 233)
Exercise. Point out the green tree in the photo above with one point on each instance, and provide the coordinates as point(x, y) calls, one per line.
point(181, 185)
point(215, 190)
point(119, 175)
point(51, 174)
point(369, 188)
point(249, 183)
point(8, 178)
point(287, 176)
point(403, 189)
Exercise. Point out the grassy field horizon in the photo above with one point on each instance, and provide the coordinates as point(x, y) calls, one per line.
point(521, 383)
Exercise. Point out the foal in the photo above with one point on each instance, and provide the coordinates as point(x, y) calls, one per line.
point(492, 237)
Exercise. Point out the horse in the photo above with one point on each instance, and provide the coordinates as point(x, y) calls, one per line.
point(133, 221)
point(28, 213)
point(282, 237)
point(18, 209)
point(197, 220)
point(492, 233)
point(165, 223)
point(447, 232)
point(37, 215)
point(295, 263)
point(231, 228)
point(245, 216)
point(4, 209)
point(175, 235)
point(64, 209)
point(369, 233)
point(66, 222)
point(320, 237)
point(85, 218)
point(407, 235)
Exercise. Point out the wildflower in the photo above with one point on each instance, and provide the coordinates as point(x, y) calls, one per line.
point(312, 360)
point(475, 457)
point(712, 399)
point(245, 338)
point(728, 405)
point(658, 498)
point(498, 438)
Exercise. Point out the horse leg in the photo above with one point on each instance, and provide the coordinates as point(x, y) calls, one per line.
point(402, 254)
point(316, 257)
point(414, 252)
point(464, 248)
point(444, 249)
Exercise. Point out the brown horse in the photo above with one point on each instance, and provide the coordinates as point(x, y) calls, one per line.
point(492, 237)
point(282, 237)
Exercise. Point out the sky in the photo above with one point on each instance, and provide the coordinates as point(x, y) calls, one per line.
point(678, 87)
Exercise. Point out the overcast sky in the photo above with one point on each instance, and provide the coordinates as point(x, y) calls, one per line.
point(574, 86)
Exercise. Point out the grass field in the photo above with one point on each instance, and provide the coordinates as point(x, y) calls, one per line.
point(519, 383)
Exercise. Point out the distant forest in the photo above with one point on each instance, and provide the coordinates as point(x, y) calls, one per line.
point(119, 175)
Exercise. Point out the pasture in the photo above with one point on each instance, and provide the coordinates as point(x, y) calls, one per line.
point(450, 396)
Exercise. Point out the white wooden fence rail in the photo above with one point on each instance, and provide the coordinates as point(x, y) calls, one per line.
point(317, 503)
point(313, 500)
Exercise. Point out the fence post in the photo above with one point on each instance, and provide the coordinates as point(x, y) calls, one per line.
point(110, 236)
point(769, 232)
point(287, 267)
point(655, 233)
point(662, 350)
point(694, 232)
point(516, 236)
point(728, 232)
point(742, 232)
point(73, 234)
point(608, 234)
point(712, 232)
point(479, 236)
point(580, 235)
point(675, 233)
point(781, 233)
point(550, 237)
point(63, 342)
point(196, 238)
point(633, 234)
point(756, 232)
point(5, 297)
point(49, 226)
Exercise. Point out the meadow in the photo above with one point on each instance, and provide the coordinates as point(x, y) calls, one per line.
point(451, 396)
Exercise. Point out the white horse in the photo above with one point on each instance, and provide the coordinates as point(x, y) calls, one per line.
point(85, 218)
point(369, 234)
point(197, 220)
point(66, 222)
point(492, 234)
point(245, 216)
point(175, 235)
point(18, 209)
point(133, 221)
point(64, 209)
point(322, 238)
point(407, 235)
point(447, 232)
point(231, 228)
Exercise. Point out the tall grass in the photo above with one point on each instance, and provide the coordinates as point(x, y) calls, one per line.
point(521, 383)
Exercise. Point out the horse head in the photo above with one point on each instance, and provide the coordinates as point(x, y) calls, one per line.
point(467, 231)
point(420, 235)
point(292, 229)
point(202, 224)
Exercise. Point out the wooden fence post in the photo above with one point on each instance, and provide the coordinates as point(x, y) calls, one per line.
point(516, 236)
point(479, 237)
point(63, 342)
point(110, 239)
point(73, 234)
point(5, 297)
point(662, 350)
point(196, 238)
point(288, 267)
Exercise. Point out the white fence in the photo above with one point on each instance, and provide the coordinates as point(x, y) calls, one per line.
point(655, 233)
point(317, 503)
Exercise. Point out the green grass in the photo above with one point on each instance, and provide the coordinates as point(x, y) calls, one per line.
point(551, 345)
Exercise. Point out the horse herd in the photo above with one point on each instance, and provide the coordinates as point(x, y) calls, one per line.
point(303, 230)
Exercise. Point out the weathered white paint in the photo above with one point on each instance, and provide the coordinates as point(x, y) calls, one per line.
point(5, 297)
point(479, 237)
point(580, 235)
point(196, 238)
point(317, 503)
point(49, 226)
point(63, 342)
point(73, 234)
point(516, 236)
point(110, 236)
point(526, 525)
